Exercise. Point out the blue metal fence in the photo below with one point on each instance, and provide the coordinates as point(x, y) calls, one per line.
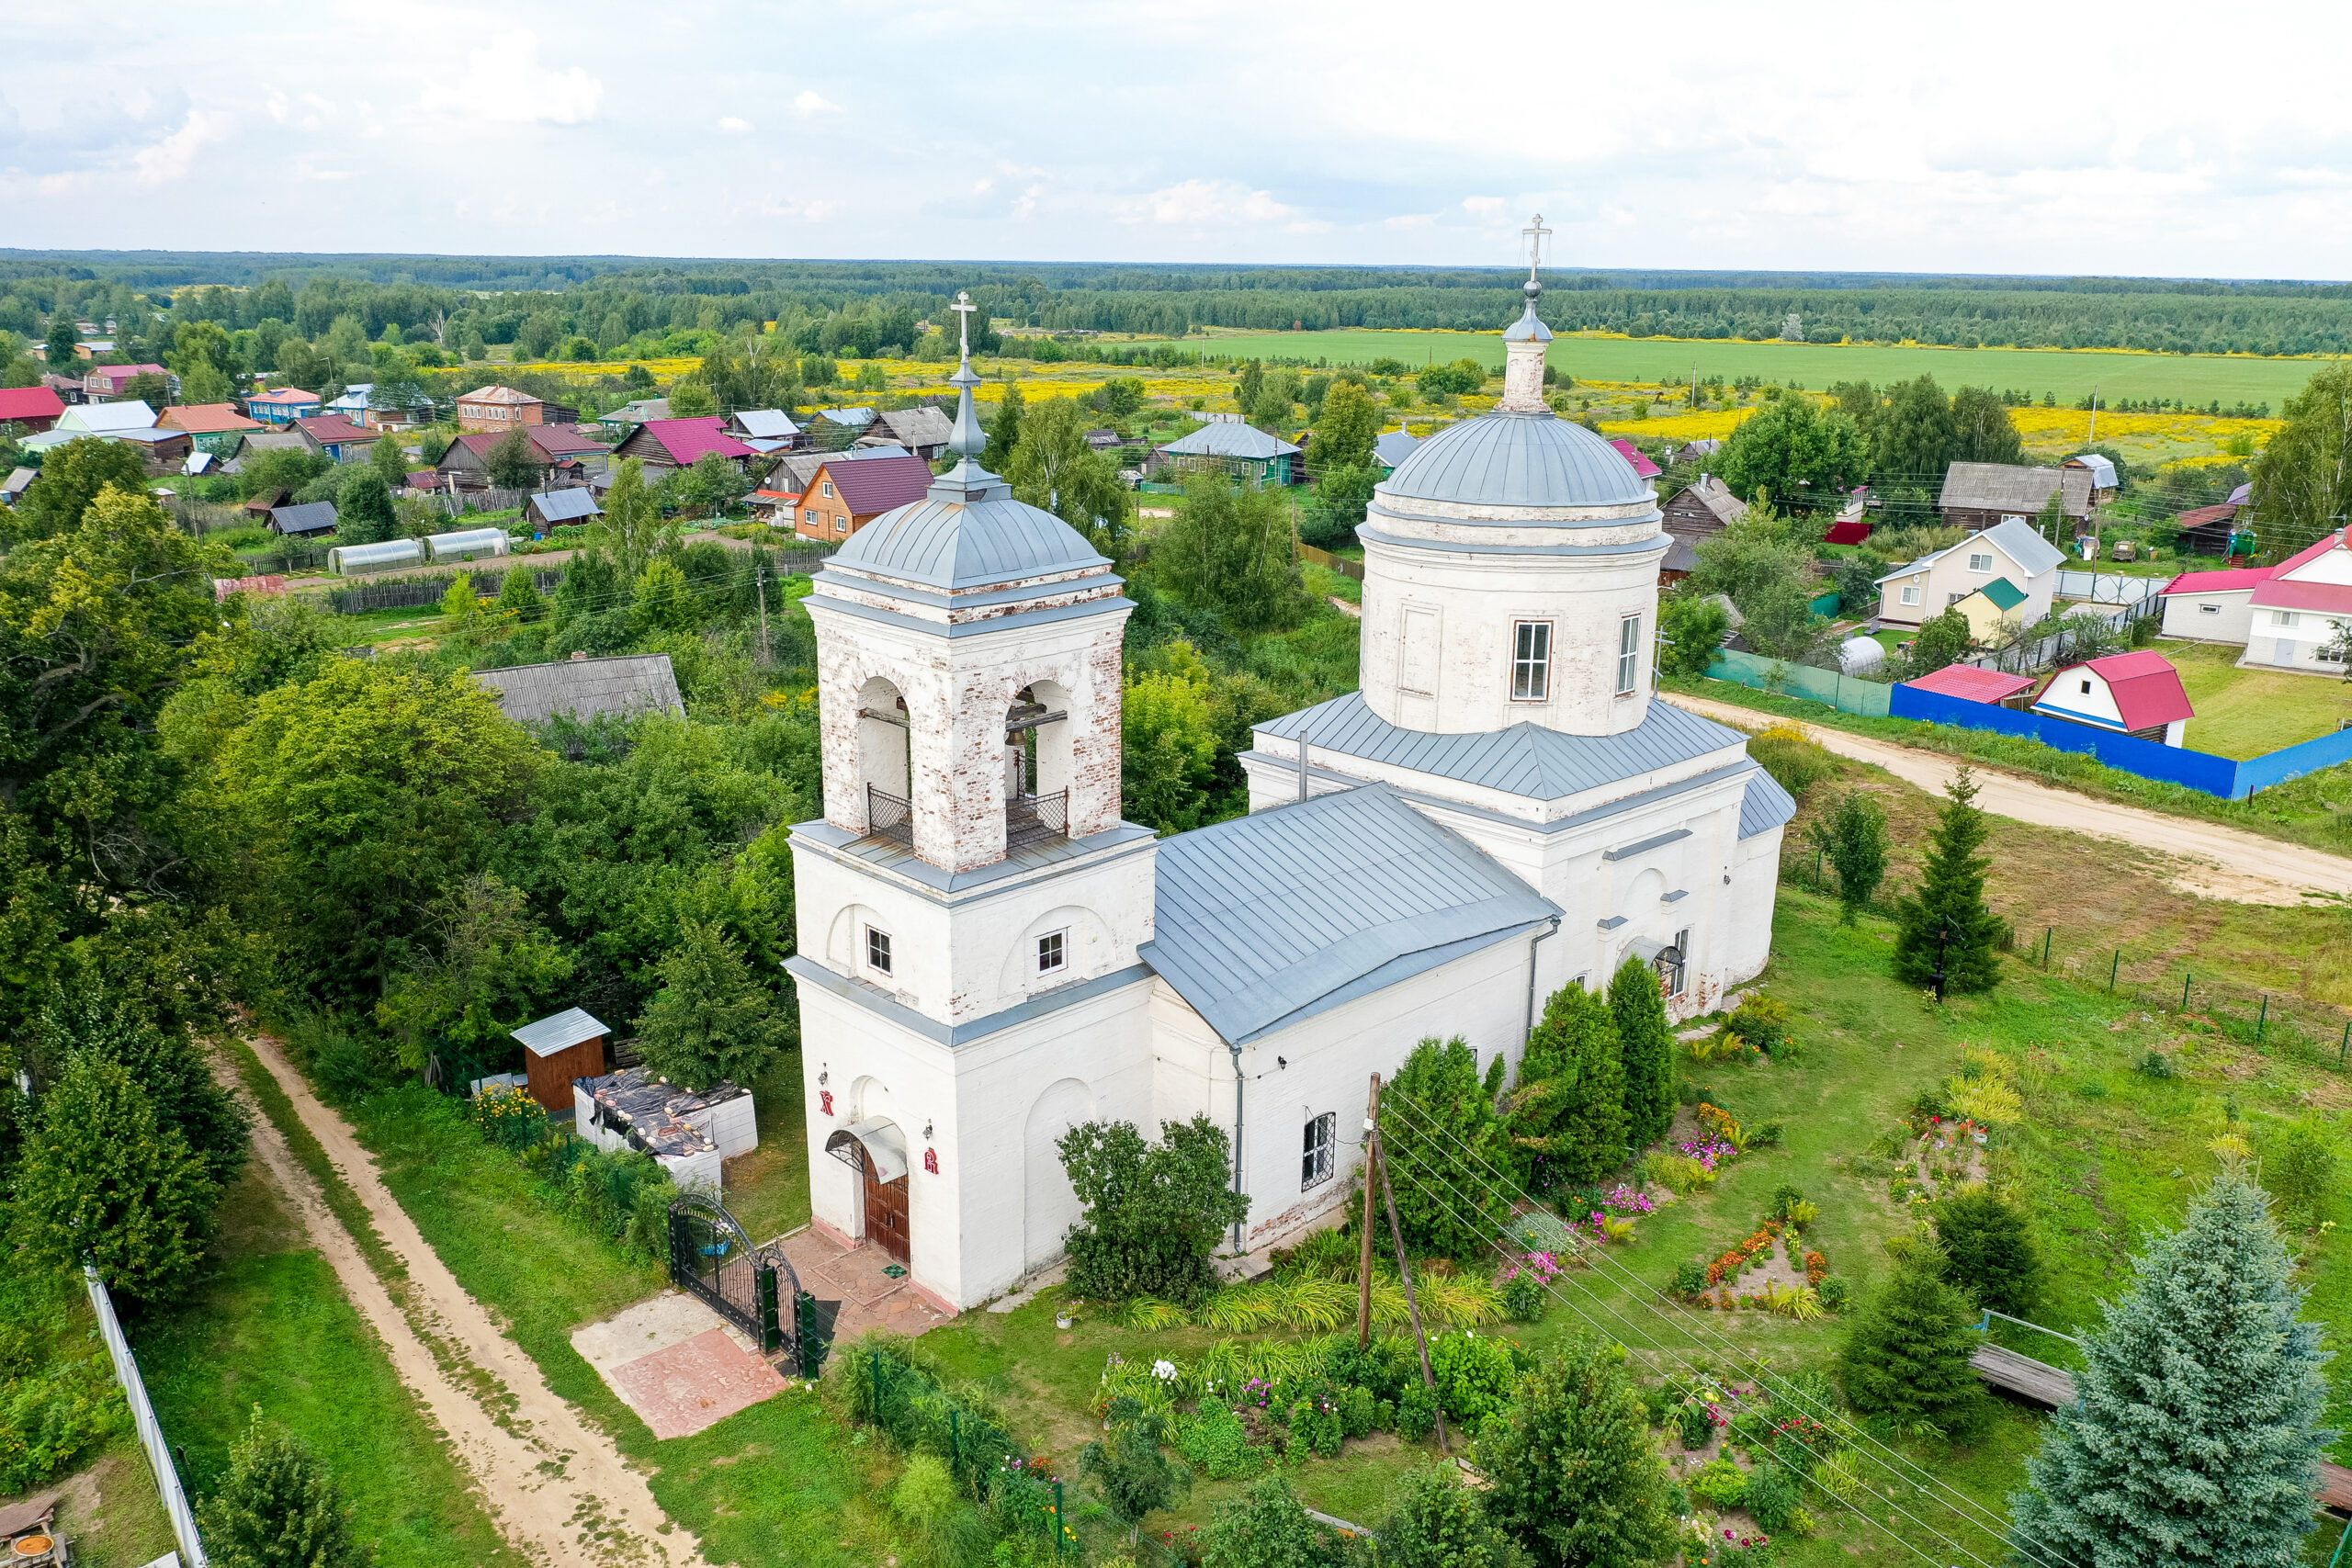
point(2223, 777)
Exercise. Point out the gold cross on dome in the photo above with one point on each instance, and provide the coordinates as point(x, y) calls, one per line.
point(1536, 232)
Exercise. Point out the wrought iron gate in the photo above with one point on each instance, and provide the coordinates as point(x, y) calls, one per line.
point(711, 1257)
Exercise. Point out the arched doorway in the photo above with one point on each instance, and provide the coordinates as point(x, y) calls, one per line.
point(877, 1151)
point(1050, 1207)
point(1036, 764)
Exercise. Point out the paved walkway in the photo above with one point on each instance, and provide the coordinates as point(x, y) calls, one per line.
point(854, 1277)
point(2208, 859)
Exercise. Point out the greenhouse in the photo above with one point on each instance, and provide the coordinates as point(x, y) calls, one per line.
point(343, 561)
point(467, 544)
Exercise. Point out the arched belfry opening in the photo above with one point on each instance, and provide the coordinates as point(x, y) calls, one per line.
point(1037, 765)
point(883, 737)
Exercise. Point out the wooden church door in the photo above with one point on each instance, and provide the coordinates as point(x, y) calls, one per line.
point(886, 1212)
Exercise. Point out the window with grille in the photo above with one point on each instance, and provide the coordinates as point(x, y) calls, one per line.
point(1629, 654)
point(1531, 662)
point(877, 949)
point(1052, 952)
point(1315, 1151)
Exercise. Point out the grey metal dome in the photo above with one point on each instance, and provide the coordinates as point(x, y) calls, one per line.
point(943, 541)
point(1517, 459)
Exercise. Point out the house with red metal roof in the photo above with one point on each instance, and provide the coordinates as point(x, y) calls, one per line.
point(34, 409)
point(336, 438)
point(1633, 454)
point(566, 454)
point(843, 497)
point(676, 443)
point(1973, 683)
point(108, 380)
point(2138, 692)
point(2285, 616)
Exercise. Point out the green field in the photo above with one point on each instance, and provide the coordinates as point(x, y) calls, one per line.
point(2070, 374)
point(2245, 713)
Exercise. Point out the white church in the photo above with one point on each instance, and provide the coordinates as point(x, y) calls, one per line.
point(989, 955)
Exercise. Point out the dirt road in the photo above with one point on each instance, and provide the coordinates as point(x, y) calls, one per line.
point(559, 1491)
point(2204, 857)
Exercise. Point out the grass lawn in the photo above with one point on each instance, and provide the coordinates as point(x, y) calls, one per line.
point(2245, 713)
point(2070, 374)
point(270, 1327)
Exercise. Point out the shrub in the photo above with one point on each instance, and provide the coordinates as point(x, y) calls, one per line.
point(1316, 1425)
point(1689, 1280)
point(1437, 1522)
point(1215, 1440)
point(948, 1532)
point(2300, 1173)
point(1335, 1253)
point(1524, 1297)
point(2155, 1065)
point(1907, 1355)
point(508, 1116)
point(1679, 1174)
point(1128, 1466)
point(1416, 1412)
point(1153, 1212)
point(278, 1507)
point(1988, 1252)
point(1796, 763)
point(1721, 1483)
point(1475, 1374)
point(1772, 1497)
point(1266, 1526)
point(1762, 1022)
point(1359, 1412)
point(1575, 1476)
point(1835, 1292)
point(1695, 1424)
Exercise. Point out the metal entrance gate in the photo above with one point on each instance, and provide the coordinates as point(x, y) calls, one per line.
point(712, 1257)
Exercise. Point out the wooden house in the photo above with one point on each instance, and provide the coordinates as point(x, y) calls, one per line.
point(337, 439)
point(676, 443)
point(1239, 451)
point(922, 430)
point(559, 1050)
point(1701, 511)
point(843, 497)
point(29, 411)
point(283, 406)
point(1977, 496)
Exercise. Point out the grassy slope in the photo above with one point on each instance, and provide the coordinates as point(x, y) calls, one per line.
point(271, 1327)
point(2244, 713)
point(2070, 375)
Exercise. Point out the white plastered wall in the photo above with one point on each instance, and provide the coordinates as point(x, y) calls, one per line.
point(2210, 617)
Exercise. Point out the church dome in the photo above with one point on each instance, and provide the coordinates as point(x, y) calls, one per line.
point(945, 541)
point(1517, 459)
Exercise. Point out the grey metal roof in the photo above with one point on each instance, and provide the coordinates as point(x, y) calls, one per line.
point(766, 423)
point(559, 1031)
point(923, 426)
point(1517, 459)
point(1765, 807)
point(310, 518)
point(1396, 447)
point(563, 505)
point(1270, 918)
point(1245, 441)
point(1526, 760)
point(636, 682)
point(2033, 554)
point(944, 543)
point(857, 419)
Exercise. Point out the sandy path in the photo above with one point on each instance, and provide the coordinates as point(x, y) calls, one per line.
point(2203, 857)
point(561, 1492)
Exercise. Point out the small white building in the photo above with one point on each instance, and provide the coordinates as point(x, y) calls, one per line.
point(1913, 594)
point(2138, 692)
point(689, 1134)
point(988, 955)
point(2286, 616)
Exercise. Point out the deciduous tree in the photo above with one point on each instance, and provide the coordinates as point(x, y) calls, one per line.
point(1153, 1212)
point(1230, 549)
point(1053, 468)
point(102, 1179)
point(365, 515)
point(1912, 436)
point(487, 967)
point(1789, 451)
point(1577, 1483)
point(712, 1021)
point(1983, 430)
point(71, 478)
point(631, 527)
point(278, 1506)
point(2303, 479)
point(515, 463)
point(1436, 1521)
point(1854, 838)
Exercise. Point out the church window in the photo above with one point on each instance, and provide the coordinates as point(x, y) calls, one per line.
point(877, 949)
point(1674, 963)
point(1531, 664)
point(1052, 952)
point(1629, 654)
point(1315, 1153)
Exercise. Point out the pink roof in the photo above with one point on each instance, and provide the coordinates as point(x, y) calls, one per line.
point(2334, 598)
point(287, 395)
point(2146, 686)
point(1633, 455)
point(2235, 579)
point(686, 439)
point(335, 427)
point(1972, 683)
point(207, 419)
point(563, 440)
point(117, 374)
point(30, 402)
point(874, 485)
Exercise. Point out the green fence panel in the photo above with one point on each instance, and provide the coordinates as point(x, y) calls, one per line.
point(1844, 692)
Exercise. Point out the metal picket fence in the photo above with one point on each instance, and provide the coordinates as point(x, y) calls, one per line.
point(2278, 1023)
point(142, 1418)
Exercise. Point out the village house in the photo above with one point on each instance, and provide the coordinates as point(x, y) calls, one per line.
point(2138, 692)
point(101, 382)
point(1981, 495)
point(67, 387)
point(336, 438)
point(105, 419)
point(585, 688)
point(1242, 452)
point(2207, 530)
point(922, 430)
point(676, 443)
point(762, 430)
point(252, 444)
point(28, 410)
point(1698, 512)
point(1925, 588)
point(311, 520)
point(498, 408)
point(566, 454)
point(1992, 610)
point(618, 425)
point(215, 428)
point(843, 497)
point(283, 406)
point(2293, 616)
point(554, 508)
point(988, 955)
point(1393, 448)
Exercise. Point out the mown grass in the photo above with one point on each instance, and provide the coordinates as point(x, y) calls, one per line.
point(2245, 713)
point(270, 1329)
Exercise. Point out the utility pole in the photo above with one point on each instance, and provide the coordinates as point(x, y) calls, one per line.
point(1412, 1298)
point(1364, 1253)
point(759, 580)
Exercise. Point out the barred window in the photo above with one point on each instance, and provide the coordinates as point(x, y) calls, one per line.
point(1531, 663)
point(1315, 1152)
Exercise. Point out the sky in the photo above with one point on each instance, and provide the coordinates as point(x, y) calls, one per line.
point(2142, 138)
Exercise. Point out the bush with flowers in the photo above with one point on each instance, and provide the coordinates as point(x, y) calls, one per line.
point(508, 1116)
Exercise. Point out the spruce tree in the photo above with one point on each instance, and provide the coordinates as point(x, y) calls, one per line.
point(1907, 1355)
point(1004, 431)
point(2197, 1423)
point(519, 596)
point(1645, 1045)
point(99, 1180)
point(278, 1506)
point(1949, 905)
point(1576, 1479)
point(1989, 1253)
point(1568, 1110)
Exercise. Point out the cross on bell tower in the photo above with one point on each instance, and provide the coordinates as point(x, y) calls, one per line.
point(1524, 341)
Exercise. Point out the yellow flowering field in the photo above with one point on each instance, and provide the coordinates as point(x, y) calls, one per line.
point(1708, 425)
point(2074, 425)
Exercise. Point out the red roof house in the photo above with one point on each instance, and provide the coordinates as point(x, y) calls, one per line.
point(1972, 683)
point(1633, 455)
point(106, 380)
point(844, 496)
point(36, 408)
point(2138, 692)
point(676, 443)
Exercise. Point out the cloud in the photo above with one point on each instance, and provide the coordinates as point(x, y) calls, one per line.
point(1205, 201)
point(1484, 206)
point(735, 126)
point(809, 105)
point(506, 84)
point(175, 155)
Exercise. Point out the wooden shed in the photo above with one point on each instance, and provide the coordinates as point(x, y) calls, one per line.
point(569, 1045)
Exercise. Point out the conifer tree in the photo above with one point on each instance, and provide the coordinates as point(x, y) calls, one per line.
point(1577, 1482)
point(1950, 905)
point(519, 596)
point(1004, 431)
point(1907, 1355)
point(711, 1020)
point(1645, 1046)
point(1439, 1136)
point(278, 1507)
point(2198, 1418)
point(99, 1178)
point(1989, 1253)
point(1568, 1109)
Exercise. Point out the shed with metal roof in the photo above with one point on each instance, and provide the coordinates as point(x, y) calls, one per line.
point(575, 503)
point(298, 522)
point(581, 687)
point(558, 1050)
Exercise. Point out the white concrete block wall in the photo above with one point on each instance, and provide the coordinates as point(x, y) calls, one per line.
point(696, 1172)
